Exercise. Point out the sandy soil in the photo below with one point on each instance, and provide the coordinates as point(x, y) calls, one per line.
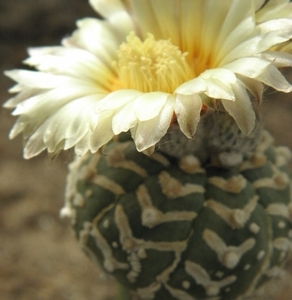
point(39, 256)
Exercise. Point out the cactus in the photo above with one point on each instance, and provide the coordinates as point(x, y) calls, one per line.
point(205, 220)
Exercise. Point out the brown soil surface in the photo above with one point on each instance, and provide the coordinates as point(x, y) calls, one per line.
point(39, 256)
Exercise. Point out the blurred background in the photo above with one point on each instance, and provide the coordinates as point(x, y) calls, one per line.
point(39, 256)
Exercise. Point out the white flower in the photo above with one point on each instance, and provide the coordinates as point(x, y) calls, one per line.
point(148, 64)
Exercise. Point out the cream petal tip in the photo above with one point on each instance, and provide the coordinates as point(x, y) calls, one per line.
point(188, 109)
point(149, 151)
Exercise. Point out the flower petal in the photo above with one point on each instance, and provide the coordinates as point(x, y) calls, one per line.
point(103, 132)
point(35, 145)
point(252, 46)
point(67, 127)
point(255, 87)
point(187, 110)
point(37, 79)
point(194, 86)
point(262, 70)
point(148, 105)
point(236, 27)
point(74, 63)
point(114, 11)
point(124, 119)
point(241, 109)
point(145, 18)
point(104, 47)
point(107, 7)
point(44, 104)
point(248, 66)
point(274, 9)
point(24, 94)
point(218, 90)
point(76, 125)
point(82, 147)
point(187, 24)
point(117, 99)
point(273, 77)
point(80, 96)
point(235, 37)
point(167, 14)
point(279, 59)
point(259, 4)
point(148, 133)
point(282, 26)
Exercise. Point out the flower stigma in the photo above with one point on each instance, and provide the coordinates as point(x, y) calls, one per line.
point(152, 65)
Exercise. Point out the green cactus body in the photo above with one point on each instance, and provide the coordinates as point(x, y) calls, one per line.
point(174, 228)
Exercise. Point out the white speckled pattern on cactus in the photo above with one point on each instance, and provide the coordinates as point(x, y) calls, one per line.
point(175, 229)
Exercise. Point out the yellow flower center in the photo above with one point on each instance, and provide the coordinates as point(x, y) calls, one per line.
point(151, 65)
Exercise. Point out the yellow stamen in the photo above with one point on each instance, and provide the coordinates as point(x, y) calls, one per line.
point(151, 65)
